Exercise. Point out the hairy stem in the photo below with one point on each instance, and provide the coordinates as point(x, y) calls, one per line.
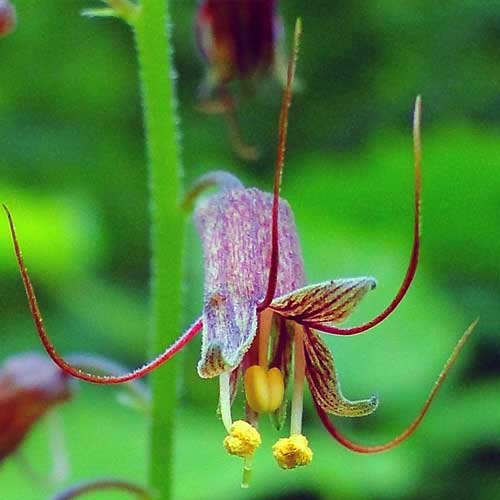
point(160, 120)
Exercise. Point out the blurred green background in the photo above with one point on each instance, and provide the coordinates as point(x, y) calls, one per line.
point(73, 172)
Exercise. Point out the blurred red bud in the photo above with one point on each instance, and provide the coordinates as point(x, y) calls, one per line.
point(30, 385)
point(237, 38)
point(7, 17)
point(238, 42)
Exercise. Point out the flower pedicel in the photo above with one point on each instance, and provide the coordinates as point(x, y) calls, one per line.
point(260, 318)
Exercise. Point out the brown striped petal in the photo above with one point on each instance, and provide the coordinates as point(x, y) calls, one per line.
point(324, 384)
point(329, 302)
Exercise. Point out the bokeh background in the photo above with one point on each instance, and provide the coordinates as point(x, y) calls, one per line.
point(73, 172)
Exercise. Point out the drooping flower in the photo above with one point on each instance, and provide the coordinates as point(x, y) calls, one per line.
point(7, 17)
point(238, 41)
point(260, 320)
point(30, 386)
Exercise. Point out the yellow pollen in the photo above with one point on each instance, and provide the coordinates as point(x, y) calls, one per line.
point(292, 452)
point(264, 389)
point(243, 439)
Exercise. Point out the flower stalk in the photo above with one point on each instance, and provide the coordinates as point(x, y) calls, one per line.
point(160, 121)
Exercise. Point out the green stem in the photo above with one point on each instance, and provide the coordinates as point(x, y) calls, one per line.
point(159, 100)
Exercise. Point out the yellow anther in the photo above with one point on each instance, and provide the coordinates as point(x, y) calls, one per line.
point(292, 452)
point(257, 388)
point(243, 439)
point(264, 389)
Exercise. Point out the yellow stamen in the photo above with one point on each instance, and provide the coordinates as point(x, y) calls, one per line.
point(256, 388)
point(264, 389)
point(243, 439)
point(292, 452)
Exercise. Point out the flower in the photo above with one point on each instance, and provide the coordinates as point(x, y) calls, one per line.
point(30, 386)
point(260, 319)
point(238, 41)
point(7, 17)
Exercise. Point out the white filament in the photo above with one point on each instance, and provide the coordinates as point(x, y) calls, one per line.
point(225, 400)
point(298, 382)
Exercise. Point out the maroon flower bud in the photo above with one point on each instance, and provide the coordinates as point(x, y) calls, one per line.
point(238, 42)
point(30, 385)
point(237, 37)
point(7, 17)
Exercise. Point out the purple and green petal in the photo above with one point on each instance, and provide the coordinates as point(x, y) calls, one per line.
point(235, 229)
point(229, 327)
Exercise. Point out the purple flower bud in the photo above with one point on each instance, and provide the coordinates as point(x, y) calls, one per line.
point(30, 385)
point(7, 17)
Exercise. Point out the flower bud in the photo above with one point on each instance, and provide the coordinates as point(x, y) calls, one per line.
point(7, 17)
point(237, 38)
point(30, 385)
point(238, 41)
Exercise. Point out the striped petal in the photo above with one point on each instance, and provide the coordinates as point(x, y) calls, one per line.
point(324, 384)
point(329, 302)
